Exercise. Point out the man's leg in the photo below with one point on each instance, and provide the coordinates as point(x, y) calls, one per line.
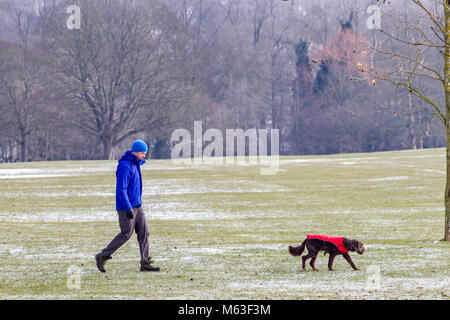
point(126, 231)
point(142, 234)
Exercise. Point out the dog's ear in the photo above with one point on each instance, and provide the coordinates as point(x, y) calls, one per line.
point(352, 245)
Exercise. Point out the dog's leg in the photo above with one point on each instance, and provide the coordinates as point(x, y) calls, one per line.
point(313, 261)
point(307, 256)
point(349, 260)
point(304, 261)
point(330, 261)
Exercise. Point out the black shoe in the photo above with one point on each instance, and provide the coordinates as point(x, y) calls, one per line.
point(148, 267)
point(101, 261)
point(150, 260)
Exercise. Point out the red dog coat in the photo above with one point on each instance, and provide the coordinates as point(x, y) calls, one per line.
point(337, 241)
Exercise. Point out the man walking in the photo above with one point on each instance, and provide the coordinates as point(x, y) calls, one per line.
point(129, 207)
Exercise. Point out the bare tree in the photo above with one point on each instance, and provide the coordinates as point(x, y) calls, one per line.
point(120, 68)
point(429, 34)
point(21, 82)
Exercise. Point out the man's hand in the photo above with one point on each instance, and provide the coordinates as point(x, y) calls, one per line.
point(130, 214)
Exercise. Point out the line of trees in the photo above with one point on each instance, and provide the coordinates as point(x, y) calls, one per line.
point(143, 68)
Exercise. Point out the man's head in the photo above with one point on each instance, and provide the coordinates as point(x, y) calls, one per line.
point(139, 149)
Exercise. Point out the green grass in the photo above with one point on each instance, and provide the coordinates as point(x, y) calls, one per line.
point(221, 232)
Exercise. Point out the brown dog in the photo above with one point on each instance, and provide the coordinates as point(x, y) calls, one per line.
point(332, 245)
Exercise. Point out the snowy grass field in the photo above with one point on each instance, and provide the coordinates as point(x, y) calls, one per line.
point(222, 231)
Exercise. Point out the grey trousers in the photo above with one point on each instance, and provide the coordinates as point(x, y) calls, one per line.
point(127, 226)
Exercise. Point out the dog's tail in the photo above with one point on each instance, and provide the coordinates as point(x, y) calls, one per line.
point(297, 251)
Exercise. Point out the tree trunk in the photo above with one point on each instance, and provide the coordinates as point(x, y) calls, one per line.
point(420, 139)
point(411, 124)
point(12, 150)
point(447, 116)
point(447, 186)
point(23, 150)
point(107, 149)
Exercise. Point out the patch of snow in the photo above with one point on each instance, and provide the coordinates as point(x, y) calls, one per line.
point(390, 178)
point(321, 160)
point(49, 173)
point(185, 186)
point(437, 171)
point(60, 216)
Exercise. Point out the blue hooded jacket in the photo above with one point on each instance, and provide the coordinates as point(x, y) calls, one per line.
point(128, 182)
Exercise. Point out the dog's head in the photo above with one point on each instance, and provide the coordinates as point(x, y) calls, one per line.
point(356, 245)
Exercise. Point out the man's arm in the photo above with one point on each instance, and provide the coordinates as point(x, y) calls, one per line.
point(122, 180)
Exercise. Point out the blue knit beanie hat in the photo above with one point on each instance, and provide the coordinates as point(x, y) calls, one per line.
point(139, 146)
